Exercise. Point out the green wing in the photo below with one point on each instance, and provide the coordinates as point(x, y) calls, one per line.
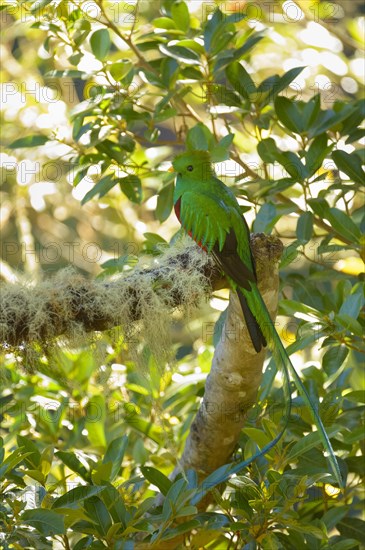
point(221, 229)
point(206, 217)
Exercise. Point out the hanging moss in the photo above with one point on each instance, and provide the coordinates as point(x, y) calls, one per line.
point(139, 301)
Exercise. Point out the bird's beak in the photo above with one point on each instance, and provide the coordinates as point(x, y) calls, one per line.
point(171, 169)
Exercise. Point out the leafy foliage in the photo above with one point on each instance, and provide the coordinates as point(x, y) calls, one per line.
point(86, 448)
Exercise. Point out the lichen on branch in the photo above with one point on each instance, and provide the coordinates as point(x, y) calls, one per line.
point(71, 305)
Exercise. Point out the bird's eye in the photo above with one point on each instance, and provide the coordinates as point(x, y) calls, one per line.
point(190, 168)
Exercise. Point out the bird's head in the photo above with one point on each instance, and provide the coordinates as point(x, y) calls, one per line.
point(194, 165)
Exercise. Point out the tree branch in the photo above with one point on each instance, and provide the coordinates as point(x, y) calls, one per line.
point(70, 305)
point(235, 375)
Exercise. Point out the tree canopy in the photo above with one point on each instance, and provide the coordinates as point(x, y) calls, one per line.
point(105, 363)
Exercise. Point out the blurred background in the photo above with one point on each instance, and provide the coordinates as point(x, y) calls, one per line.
point(43, 225)
point(53, 215)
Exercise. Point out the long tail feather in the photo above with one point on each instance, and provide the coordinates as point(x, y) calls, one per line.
point(257, 338)
point(257, 305)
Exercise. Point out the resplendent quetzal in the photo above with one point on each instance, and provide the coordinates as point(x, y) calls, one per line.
point(209, 212)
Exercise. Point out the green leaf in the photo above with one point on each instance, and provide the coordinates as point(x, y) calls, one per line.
point(268, 89)
point(29, 141)
point(47, 522)
point(287, 78)
point(220, 49)
point(180, 53)
point(291, 307)
point(79, 175)
point(307, 442)
point(293, 165)
point(356, 115)
point(350, 164)
point(270, 542)
point(333, 516)
point(289, 114)
point(15, 458)
point(157, 478)
point(240, 80)
point(325, 120)
point(211, 27)
point(176, 489)
point(219, 154)
point(115, 504)
point(333, 359)
point(164, 23)
point(319, 206)
point(132, 187)
point(356, 396)
point(83, 543)
point(192, 45)
point(72, 498)
point(316, 154)
point(180, 15)
point(305, 227)
point(153, 239)
point(268, 151)
point(166, 114)
point(37, 475)
point(353, 303)
point(169, 70)
point(101, 188)
point(72, 462)
point(116, 265)
point(343, 224)
point(251, 41)
point(199, 137)
point(46, 459)
point(264, 218)
point(149, 429)
point(120, 69)
point(100, 43)
point(127, 143)
point(340, 221)
point(164, 202)
point(258, 436)
point(302, 527)
point(111, 150)
point(311, 110)
point(352, 528)
point(185, 527)
point(98, 513)
point(33, 459)
point(95, 420)
point(226, 141)
point(115, 453)
point(273, 85)
point(350, 324)
point(356, 135)
point(82, 28)
point(345, 544)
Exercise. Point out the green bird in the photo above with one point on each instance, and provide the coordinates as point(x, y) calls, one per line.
point(209, 212)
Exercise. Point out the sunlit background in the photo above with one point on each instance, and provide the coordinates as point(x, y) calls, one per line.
point(45, 226)
point(39, 206)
